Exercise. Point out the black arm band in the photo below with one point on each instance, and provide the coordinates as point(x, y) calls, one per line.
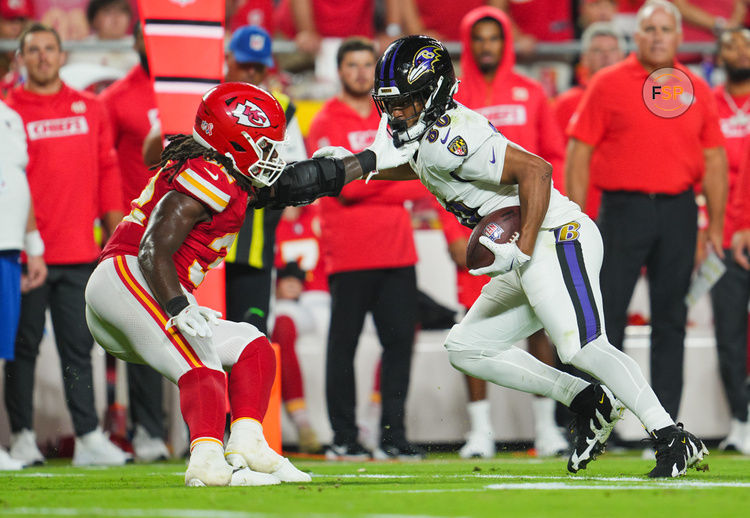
point(176, 305)
point(367, 161)
point(305, 181)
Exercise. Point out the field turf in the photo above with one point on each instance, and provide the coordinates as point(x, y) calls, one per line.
point(511, 485)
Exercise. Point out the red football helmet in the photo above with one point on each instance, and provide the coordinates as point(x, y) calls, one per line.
point(246, 124)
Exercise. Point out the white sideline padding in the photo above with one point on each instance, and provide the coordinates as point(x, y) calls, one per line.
point(436, 405)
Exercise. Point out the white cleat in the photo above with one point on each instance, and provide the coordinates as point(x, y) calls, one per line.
point(286, 472)
point(248, 477)
point(479, 444)
point(23, 447)
point(147, 448)
point(550, 442)
point(207, 466)
point(8, 463)
point(247, 447)
point(95, 449)
point(738, 438)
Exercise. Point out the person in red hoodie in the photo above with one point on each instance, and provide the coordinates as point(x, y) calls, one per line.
point(370, 257)
point(518, 107)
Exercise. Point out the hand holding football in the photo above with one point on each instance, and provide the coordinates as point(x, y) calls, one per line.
point(499, 226)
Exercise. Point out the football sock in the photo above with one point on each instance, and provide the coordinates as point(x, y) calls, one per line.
point(251, 380)
point(297, 410)
point(622, 375)
point(515, 368)
point(202, 393)
point(479, 416)
point(544, 413)
point(285, 334)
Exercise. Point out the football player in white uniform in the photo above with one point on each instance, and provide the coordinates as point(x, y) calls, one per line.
point(548, 277)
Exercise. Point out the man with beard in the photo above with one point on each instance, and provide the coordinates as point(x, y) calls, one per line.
point(648, 211)
point(131, 105)
point(381, 281)
point(731, 293)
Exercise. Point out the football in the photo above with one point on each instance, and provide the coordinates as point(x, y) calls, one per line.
point(499, 225)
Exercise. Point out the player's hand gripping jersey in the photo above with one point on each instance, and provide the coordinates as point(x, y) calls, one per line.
point(461, 160)
point(206, 244)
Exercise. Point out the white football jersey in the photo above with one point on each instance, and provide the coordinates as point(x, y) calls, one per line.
point(460, 160)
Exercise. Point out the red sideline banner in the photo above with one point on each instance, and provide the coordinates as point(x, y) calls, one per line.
point(185, 46)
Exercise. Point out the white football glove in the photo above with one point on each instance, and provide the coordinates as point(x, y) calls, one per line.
point(194, 320)
point(387, 155)
point(332, 152)
point(507, 257)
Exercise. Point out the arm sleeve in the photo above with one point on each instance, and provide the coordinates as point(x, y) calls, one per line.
point(590, 120)
point(110, 181)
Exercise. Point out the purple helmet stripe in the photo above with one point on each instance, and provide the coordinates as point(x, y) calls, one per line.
point(391, 78)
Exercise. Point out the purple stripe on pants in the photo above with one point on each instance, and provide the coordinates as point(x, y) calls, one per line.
point(585, 298)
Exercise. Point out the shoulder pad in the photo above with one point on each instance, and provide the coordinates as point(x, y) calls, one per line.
point(208, 182)
point(455, 136)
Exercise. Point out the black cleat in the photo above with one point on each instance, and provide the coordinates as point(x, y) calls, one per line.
point(350, 451)
point(401, 450)
point(591, 428)
point(676, 451)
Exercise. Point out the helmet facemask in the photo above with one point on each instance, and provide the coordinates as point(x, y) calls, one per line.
point(269, 166)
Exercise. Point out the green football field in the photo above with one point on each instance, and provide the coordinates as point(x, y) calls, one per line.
point(511, 485)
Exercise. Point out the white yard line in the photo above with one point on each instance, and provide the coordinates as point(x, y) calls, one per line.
point(183, 513)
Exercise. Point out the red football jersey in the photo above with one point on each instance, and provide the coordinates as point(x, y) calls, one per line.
point(206, 245)
point(299, 241)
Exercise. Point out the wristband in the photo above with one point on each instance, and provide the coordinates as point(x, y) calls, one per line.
point(176, 305)
point(367, 161)
point(33, 244)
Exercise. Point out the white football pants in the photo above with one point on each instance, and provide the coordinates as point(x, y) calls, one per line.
point(126, 320)
point(558, 289)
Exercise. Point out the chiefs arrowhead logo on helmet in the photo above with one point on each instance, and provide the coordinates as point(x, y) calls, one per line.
point(250, 114)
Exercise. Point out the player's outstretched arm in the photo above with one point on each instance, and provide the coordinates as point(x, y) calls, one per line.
point(534, 178)
point(305, 181)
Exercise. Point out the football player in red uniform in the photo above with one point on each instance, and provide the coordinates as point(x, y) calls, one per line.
point(139, 302)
